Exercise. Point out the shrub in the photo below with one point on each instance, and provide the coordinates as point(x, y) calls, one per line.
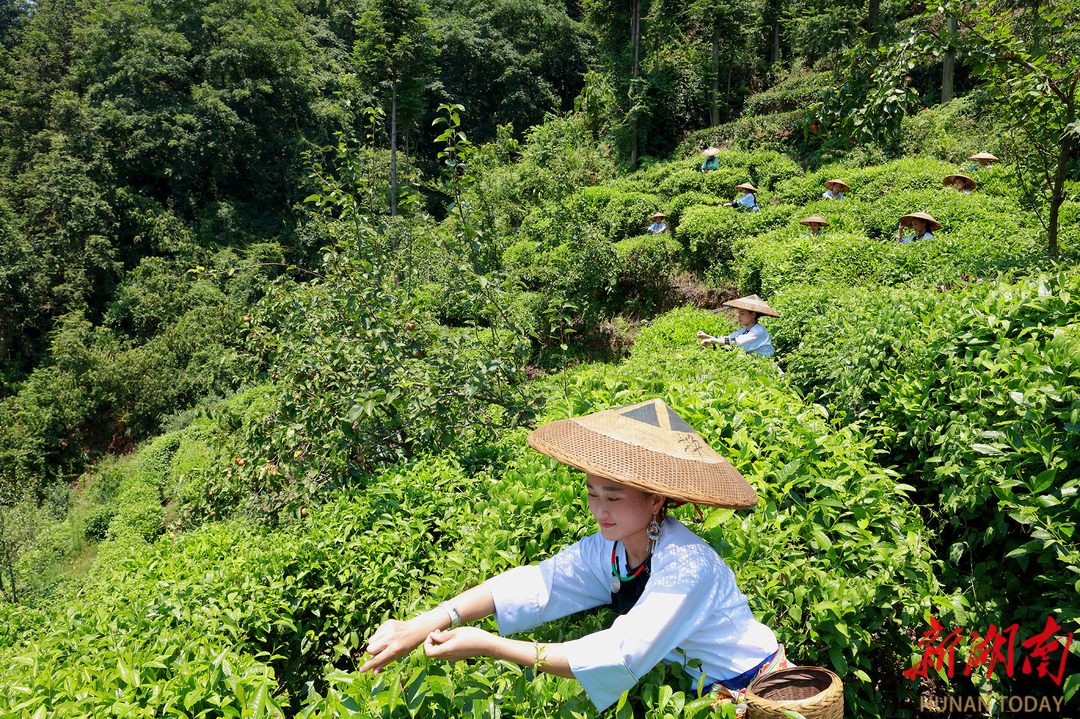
point(96, 523)
point(710, 234)
point(645, 265)
point(795, 92)
point(955, 131)
point(971, 395)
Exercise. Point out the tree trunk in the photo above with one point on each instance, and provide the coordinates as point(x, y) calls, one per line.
point(7, 562)
point(393, 147)
point(714, 110)
point(775, 42)
point(872, 18)
point(947, 65)
point(1059, 189)
point(635, 40)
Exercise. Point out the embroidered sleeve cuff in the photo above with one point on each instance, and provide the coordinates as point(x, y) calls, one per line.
point(600, 667)
point(519, 596)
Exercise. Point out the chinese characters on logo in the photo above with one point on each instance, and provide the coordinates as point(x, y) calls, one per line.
point(1045, 657)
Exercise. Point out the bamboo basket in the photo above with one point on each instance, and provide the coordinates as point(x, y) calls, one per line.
point(814, 692)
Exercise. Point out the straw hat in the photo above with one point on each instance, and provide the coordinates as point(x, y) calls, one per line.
point(814, 218)
point(969, 184)
point(931, 224)
point(657, 215)
point(754, 304)
point(746, 186)
point(710, 151)
point(650, 447)
point(984, 156)
point(836, 185)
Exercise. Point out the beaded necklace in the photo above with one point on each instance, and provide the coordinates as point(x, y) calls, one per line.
point(616, 580)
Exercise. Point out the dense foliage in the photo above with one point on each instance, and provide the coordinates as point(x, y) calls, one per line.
point(283, 283)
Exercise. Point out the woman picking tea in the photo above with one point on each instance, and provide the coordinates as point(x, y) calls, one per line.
point(674, 597)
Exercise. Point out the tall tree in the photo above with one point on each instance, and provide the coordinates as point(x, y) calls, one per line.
point(396, 50)
point(722, 22)
point(1034, 65)
point(507, 62)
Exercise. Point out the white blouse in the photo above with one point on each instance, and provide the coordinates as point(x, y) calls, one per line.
point(830, 195)
point(690, 609)
point(749, 202)
point(755, 339)
point(912, 238)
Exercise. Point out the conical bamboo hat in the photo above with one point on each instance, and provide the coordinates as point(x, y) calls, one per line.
point(969, 183)
point(650, 447)
point(814, 218)
point(984, 156)
point(746, 186)
point(836, 185)
point(931, 224)
point(710, 152)
point(754, 304)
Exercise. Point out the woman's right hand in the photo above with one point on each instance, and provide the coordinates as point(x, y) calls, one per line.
point(393, 640)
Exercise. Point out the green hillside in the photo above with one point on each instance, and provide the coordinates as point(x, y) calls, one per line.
point(255, 399)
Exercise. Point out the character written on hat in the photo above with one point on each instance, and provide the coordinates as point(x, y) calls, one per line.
point(658, 225)
point(921, 225)
point(674, 598)
point(750, 336)
point(747, 198)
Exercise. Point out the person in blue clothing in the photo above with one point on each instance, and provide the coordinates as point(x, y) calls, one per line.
point(834, 190)
point(751, 337)
point(710, 163)
point(747, 200)
point(982, 159)
point(921, 225)
point(658, 225)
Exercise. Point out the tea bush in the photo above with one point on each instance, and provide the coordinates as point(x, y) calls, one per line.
point(710, 234)
point(645, 264)
point(972, 393)
point(834, 559)
point(955, 131)
point(795, 92)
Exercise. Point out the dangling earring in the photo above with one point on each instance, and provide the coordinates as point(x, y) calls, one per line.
point(653, 533)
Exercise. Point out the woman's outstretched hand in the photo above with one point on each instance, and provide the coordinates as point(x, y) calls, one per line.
point(458, 644)
point(393, 640)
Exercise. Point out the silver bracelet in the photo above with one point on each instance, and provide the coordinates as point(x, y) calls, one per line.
point(452, 610)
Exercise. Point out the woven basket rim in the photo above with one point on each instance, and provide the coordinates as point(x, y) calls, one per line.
point(828, 703)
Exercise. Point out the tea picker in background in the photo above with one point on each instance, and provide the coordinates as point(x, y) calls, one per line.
point(835, 189)
point(752, 337)
point(747, 200)
point(674, 598)
point(710, 163)
point(816, 225)
point(658, 224)
point(922, 227)
point(961, 183)
point(982, 159)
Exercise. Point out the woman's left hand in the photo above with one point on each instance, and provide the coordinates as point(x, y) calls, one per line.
point(458, 644)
